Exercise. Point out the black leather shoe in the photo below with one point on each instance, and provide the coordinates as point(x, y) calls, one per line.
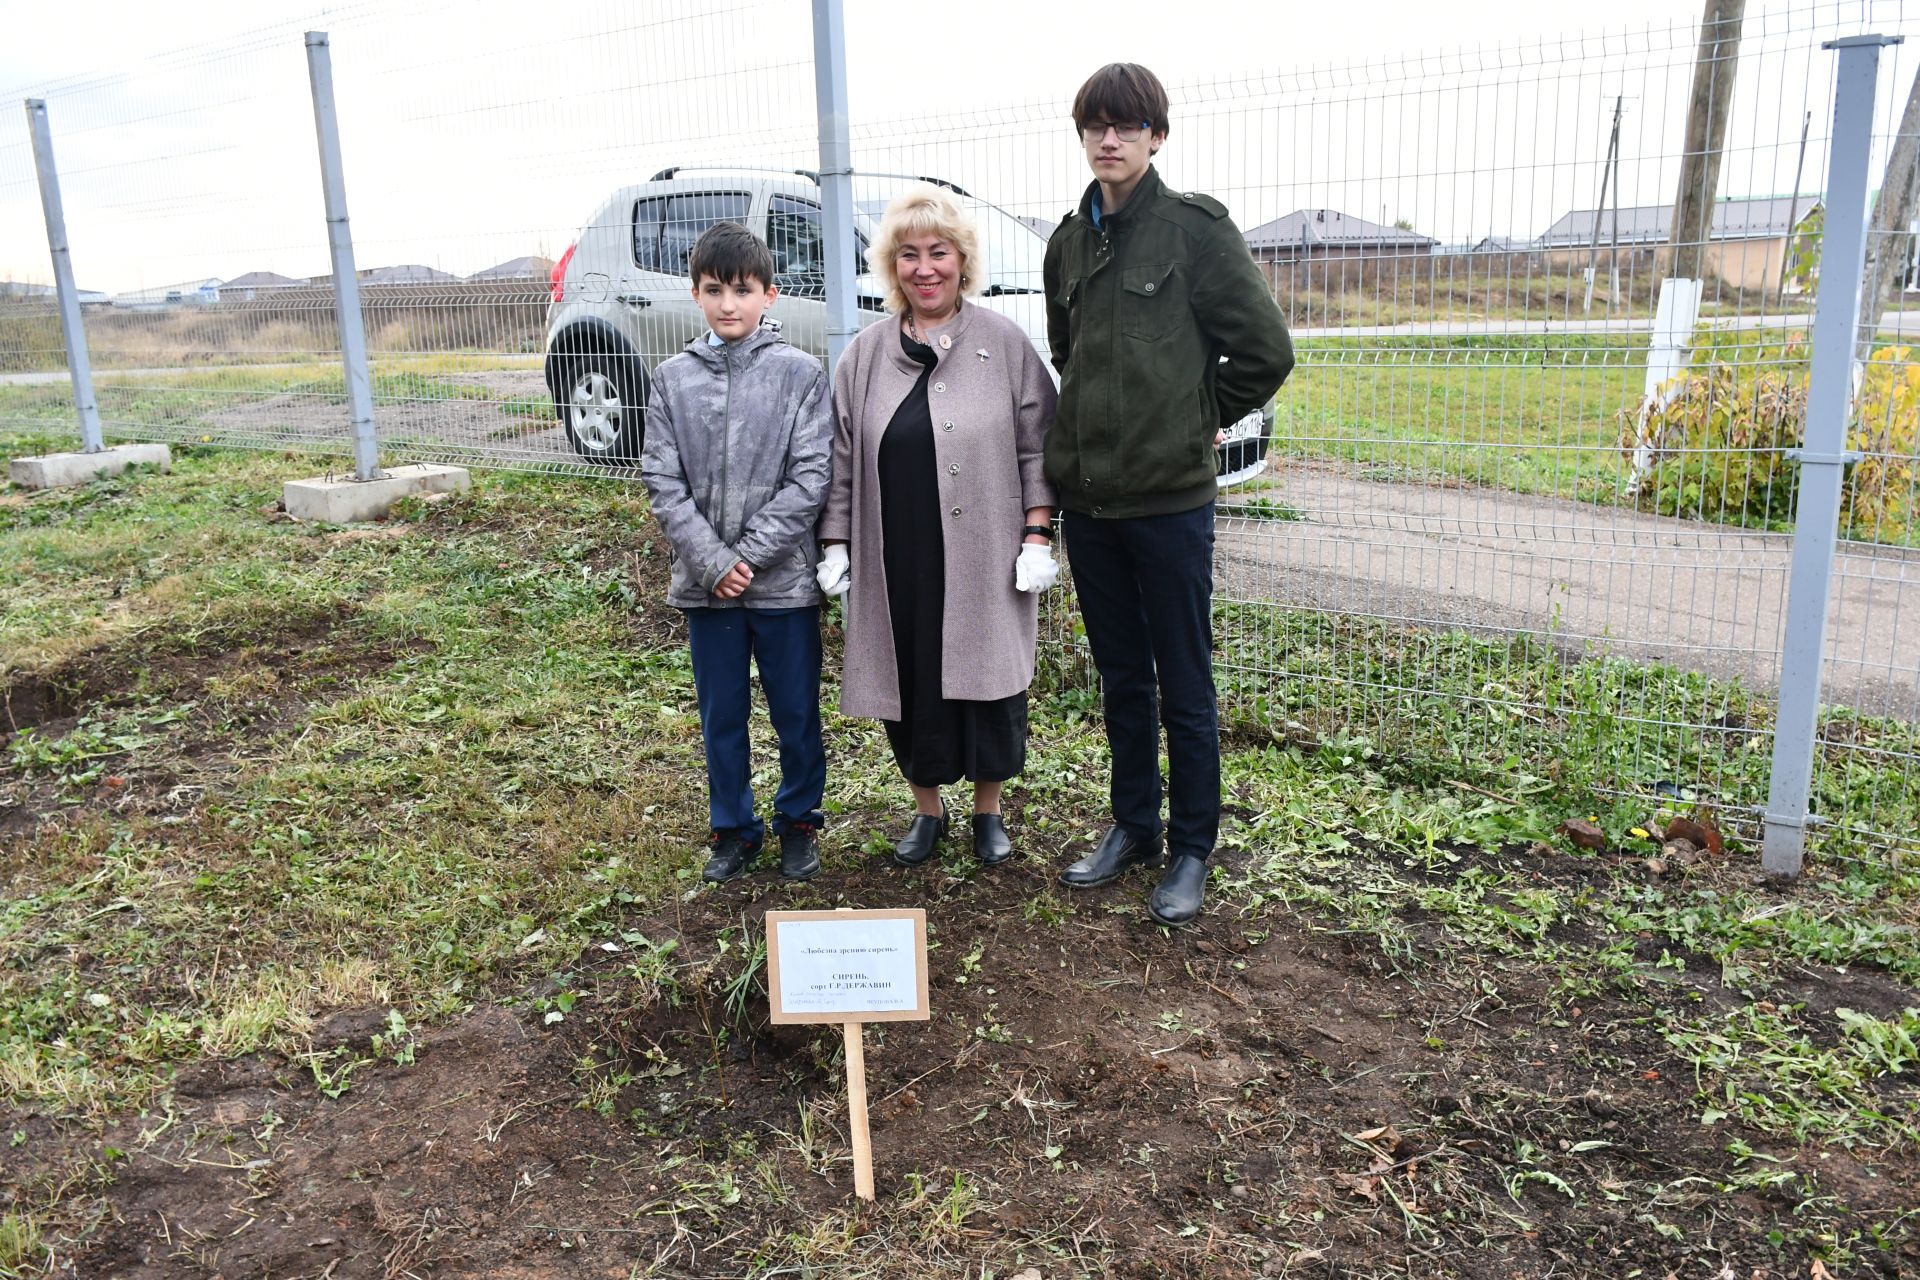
point(799, 852)
point(990, 843)
point(922, 840)
point(1119, 849)
point(1177, 898)
point(732, 855)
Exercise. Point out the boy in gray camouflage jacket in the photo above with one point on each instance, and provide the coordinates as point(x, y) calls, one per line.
point(738, 451)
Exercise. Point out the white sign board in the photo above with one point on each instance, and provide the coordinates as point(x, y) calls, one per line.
point(847, 966)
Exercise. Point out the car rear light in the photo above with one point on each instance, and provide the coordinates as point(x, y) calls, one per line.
point(560, 273)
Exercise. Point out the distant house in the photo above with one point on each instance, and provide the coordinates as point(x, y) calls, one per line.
point(1746, 243)
point(1307, 234)
point(18, 290)
point(256, 284)
point(1498, 253)
point(202, 293)
point(408, 273)
point(530, 267)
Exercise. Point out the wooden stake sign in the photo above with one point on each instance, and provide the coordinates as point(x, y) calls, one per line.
point(849, 967)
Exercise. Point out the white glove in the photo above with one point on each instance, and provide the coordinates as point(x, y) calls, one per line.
point(834, 574)
point(1036, 569)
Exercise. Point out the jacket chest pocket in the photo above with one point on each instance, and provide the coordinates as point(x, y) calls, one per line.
point(1151, 300)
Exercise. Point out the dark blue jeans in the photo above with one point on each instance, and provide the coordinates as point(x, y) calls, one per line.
point(785, 644)
point(1146, 595)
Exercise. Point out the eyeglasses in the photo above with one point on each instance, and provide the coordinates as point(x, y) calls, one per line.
point(1125, 132)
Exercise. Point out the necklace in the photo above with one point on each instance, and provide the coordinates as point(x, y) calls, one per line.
point(913, 330)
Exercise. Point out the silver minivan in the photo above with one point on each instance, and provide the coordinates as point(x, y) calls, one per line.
point(622, 302)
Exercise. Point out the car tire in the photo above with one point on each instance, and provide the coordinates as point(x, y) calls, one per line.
point(600, 398)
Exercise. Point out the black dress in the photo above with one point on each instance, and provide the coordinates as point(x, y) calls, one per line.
point(935, 740)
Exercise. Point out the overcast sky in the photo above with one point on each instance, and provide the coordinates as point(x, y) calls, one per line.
point(474, 132)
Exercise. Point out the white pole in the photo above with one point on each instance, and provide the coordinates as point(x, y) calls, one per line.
point(79, 366)
point(346, 285)
point(836, 173)
point(1824, 460)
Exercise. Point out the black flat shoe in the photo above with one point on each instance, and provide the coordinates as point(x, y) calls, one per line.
point(922, 840)
point(1177, 898)
point(990, 843)
point(731, 856)
point(1119, 849)
point(799, 852)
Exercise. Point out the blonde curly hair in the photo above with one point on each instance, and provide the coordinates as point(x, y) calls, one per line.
point(926, 210)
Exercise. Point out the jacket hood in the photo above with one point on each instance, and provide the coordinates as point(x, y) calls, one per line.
point(747, 348)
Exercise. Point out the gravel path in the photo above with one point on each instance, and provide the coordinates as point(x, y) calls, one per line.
point(1682, 592)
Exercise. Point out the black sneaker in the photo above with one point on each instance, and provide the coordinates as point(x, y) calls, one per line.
point(799, 851)
point(732, 853)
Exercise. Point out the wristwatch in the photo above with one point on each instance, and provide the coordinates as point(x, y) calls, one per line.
point(1038, 531)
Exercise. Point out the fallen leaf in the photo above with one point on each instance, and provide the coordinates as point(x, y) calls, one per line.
point(1818, 1271)
point(1360, 1185)
point(1386, 1136)
point(1585, 833)
point(1031, 1273)
point(1698, 831)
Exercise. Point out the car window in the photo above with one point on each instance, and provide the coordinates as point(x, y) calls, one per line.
point(799, 256)
point(800, 251)
point(648, 214)
point(689, 215)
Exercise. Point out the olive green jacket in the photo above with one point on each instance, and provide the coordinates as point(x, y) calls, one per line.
point(1140, 311)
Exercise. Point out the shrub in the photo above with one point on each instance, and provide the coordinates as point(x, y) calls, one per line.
point(1717, 448)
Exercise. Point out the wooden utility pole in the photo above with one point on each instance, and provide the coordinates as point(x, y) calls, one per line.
point(1609, 169)
point(1713, 69)
point(1887, 234)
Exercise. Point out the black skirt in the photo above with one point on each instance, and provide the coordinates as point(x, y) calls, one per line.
point(936, 740)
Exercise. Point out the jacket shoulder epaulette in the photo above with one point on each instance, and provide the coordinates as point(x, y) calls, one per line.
point(1197, 199)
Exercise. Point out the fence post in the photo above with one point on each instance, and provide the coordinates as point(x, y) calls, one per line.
point(1823, 457)
point(79, 366)
point(346, 285)
point(836, 173)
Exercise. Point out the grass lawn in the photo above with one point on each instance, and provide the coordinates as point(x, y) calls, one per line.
point(350, 923)
point(1533, 415)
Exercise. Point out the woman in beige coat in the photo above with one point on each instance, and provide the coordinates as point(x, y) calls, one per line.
point(939, 521)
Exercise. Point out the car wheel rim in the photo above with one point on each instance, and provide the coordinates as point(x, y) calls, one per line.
point(595, 411)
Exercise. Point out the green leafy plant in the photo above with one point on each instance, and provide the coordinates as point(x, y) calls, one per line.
point(1718, 446)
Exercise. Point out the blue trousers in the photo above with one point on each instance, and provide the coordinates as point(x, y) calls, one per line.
point(1146, 595)
point(785, 645)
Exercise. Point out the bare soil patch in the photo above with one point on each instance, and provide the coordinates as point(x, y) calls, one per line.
point(1252, 1097)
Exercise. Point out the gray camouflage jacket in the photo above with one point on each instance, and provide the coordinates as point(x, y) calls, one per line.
point(739, 449)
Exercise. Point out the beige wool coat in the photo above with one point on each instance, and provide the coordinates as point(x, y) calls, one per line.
point(992, 402)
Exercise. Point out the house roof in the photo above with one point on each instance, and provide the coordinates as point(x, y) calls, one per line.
point(527, 267)
point(1755, 218)
point(261, 280)
point(406, 273)
point(1331, 227)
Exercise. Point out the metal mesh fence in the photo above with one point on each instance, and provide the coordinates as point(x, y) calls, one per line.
point(1522, 514)
point(1527, 514)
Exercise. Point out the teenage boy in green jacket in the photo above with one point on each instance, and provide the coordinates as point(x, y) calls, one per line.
point(1164, 332)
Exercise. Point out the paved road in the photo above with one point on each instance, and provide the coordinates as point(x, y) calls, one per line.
point(1690, 594)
